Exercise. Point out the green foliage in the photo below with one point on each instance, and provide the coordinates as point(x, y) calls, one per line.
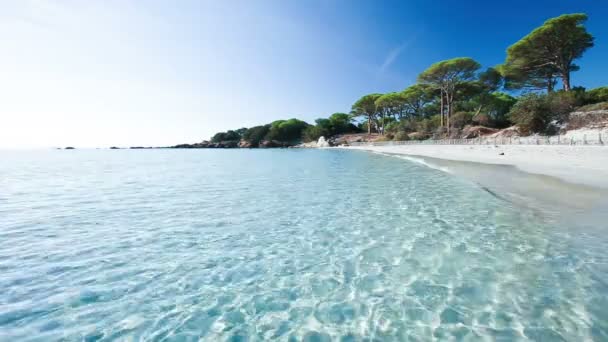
point(391, 104)
point(429, 125)
point(461, 119)
point(366, 107)
point(401, 136)
point(416, 99)
point(597, 95)
point(594, 106)
point(449, 72)
point(226, 136)
point(548, 51)
point(491, 80)
point(561, 104)
point(497, 107)
point(286, 130)
point(482, 119)
point(531, 113)
point(313, 133)
point(340, 123)
point(337, 123)
point(451, 77)
point(256, 134)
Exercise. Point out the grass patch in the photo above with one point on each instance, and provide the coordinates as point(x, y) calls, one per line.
point(592, 107)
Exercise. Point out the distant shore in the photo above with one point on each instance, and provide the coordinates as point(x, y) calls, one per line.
point(585, 165)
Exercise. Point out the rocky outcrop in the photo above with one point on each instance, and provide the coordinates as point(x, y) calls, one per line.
point(245, 144)
point(236, 144)
point(207, 144)
point(273, 144)
point(322, 142)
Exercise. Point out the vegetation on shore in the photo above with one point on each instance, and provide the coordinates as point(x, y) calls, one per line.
point(455, 94)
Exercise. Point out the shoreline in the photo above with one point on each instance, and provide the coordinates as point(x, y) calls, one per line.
point(580, 165)
point(574, 193)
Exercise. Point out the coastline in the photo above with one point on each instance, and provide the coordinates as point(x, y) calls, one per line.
point(562, 184)
point(582, 165)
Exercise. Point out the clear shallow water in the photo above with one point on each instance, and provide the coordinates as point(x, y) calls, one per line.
point(312, 245)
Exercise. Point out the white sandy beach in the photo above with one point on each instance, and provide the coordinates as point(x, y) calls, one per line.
point(587, 165)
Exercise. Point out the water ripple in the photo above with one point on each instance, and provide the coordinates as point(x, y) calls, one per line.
point(287, 245)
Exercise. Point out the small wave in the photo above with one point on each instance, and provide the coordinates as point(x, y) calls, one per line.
point(418, 161)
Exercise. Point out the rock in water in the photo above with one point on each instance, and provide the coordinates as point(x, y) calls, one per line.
point(322, 142)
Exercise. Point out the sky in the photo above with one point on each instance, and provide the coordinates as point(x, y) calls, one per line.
point(101, 73)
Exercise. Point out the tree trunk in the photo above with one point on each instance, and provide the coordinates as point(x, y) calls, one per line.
point(383, 115)
point(369, 125)
point(566, 80)
point(441, 113)
point(450, 99)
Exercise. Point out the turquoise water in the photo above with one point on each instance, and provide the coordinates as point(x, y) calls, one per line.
point(314, 245)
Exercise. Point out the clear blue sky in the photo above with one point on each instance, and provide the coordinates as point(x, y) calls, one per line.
point(101, 73)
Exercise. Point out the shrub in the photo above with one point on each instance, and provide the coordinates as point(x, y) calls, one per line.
point(286, 130)
point(313, 133)
point(482, 119)
point(593, 107)
point(460, 119)
point(597, 95)
point(429, 125)
point(226, 136)
point(561, 104)
point(531, 113)
point(256, 134)
point(401, 136)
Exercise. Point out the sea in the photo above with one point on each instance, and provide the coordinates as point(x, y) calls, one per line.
point(286, 245)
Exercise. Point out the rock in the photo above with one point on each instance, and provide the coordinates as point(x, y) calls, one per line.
point(501, 154)
point(245, 144)
point(114, 148)
point(322, 142)
point(311, 144)
point(203, 144)
point(69, 148)
point(229, 144)
point(272, 143)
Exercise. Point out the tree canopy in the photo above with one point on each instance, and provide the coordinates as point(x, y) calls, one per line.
point(549, 51)
point(447, 76)
point(366, 107)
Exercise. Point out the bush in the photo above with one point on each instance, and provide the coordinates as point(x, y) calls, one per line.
point(226, 136)
point(340, 124)
point(429, 125)
point(597, 95)
point(286, 130)
point(593, 107)
point(256, 134)
point(562, 103)
point(313, 133)
point(460, 119)
point(482, 119)
point(531, 113)
point(401, 136)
